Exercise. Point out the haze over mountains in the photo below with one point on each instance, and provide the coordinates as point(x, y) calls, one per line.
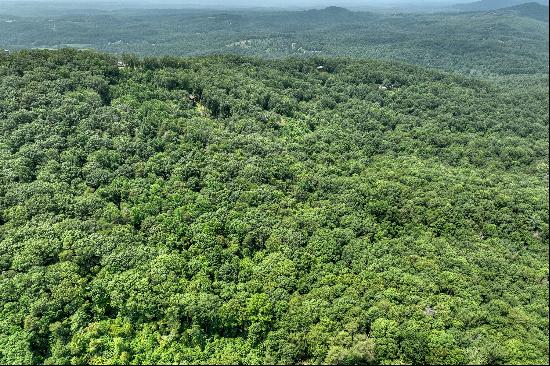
point(282, 4)
point(51, 8)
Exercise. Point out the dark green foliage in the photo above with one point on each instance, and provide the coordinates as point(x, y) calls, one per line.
point(232, 210)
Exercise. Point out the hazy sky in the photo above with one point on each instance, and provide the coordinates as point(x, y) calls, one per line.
point(258, 3)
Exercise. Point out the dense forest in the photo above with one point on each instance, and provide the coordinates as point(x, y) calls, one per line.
point(229, 209)
point(194, 186)
point(501, 42)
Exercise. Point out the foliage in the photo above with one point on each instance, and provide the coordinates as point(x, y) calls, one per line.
point(226, 209)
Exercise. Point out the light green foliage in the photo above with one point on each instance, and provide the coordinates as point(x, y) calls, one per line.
point(298, 216)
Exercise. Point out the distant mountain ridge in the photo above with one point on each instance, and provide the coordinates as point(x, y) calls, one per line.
point(330, 12)
point(484, 5)
point(531, 10)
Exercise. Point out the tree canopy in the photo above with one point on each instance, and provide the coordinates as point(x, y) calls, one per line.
point(228, 209)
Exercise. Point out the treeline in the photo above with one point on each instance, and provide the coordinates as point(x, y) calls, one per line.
point(233, 210)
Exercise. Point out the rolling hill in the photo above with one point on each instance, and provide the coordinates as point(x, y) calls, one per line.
point(485, 5)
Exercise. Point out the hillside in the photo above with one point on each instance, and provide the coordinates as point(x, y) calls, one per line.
point(530, 10)
point(235, 210)
point(478, 44)
point(486, 5)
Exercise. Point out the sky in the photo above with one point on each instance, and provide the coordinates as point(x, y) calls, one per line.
point(250, 3)
point(256, 3)
point(286, 3)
